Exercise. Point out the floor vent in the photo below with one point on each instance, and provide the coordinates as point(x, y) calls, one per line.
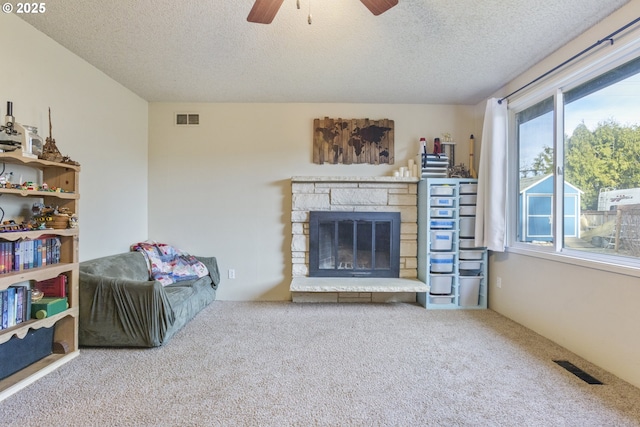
point(578, 372)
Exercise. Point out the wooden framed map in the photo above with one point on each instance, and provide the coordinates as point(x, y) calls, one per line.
point(350, 141)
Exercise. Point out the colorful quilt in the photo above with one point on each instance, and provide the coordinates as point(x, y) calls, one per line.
point(168, 264)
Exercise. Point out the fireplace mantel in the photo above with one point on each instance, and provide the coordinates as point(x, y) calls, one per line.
point(385, 179)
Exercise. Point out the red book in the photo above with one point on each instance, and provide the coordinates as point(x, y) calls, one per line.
point(55, 287)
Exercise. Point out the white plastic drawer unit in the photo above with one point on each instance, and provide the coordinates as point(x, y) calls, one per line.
point(441, 240)
point(442, 263)
point(442, 190)
point(439, 202)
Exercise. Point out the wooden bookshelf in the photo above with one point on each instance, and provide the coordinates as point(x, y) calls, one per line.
point(66, 178)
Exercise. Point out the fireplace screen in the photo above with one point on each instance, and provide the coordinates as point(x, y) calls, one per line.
point(347, 244)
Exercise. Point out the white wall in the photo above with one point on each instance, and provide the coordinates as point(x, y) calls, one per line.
point(96, 122)
point(223, 188)
point(590, 312)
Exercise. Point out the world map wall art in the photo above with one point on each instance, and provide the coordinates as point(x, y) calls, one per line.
point(351, 141)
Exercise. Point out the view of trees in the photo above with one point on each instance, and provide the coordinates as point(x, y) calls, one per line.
point(609, 157)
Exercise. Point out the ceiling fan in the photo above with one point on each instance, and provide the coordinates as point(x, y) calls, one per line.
point(263, 11)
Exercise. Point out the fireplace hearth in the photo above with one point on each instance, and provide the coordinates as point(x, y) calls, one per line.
point(354, 244)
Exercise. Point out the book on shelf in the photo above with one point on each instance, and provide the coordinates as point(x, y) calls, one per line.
point(11, 307)
point(23, 301)
point(6, 257)
point(5, 309)
point(54, 287)
point(19, 314)
point(29, 253)
point(15, 305)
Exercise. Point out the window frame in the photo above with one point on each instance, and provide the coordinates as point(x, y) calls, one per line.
point(583, 71)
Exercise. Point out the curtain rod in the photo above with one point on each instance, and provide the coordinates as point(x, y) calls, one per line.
point(608, 38)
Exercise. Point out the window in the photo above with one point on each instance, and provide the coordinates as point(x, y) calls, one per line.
point(590, 177)
point(535, 178)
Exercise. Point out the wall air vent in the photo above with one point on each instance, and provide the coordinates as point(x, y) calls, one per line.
point(187, 119)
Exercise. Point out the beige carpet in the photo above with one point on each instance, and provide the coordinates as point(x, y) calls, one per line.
point(285, 364)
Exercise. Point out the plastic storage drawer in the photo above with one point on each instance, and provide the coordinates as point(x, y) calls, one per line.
point(442, 202)
point(440, 284)
point(467, 244)
point(471, 255)
point(442, 224)
point(468, 210)
point(470, 268)
point(442, 190)
point(441, 213)
point(441, 263)
point(468, 199)
point(440, 299)
point(468, 188)
point(469, 289)
point(468, 226)
point(441, 240)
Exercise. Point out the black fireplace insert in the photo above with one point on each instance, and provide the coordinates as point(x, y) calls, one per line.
point(354, 244)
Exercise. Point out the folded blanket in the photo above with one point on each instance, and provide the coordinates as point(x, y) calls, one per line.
point(170, 265)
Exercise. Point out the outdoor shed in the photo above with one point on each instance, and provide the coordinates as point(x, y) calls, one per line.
point(536, 209)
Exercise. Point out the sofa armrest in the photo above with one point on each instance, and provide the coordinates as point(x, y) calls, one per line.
point(212, 265)
point(121, 312)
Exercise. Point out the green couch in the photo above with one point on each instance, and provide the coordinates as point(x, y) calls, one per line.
point(121, 307)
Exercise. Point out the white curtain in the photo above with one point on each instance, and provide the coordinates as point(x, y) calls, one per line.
point(491, 204)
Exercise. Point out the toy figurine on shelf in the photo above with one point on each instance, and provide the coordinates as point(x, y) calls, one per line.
point(5, 180)
point(50, 150)
point(53, 217)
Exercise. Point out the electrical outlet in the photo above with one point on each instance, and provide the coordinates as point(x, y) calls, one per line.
point(499, 282)
point(232, 273)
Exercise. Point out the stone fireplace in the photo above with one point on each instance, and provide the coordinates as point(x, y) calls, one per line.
point(350, 195)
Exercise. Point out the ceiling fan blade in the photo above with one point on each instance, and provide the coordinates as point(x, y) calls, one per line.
point(379, 6)
point(263, 11)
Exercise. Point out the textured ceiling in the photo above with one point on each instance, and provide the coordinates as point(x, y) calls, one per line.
point(421, 51)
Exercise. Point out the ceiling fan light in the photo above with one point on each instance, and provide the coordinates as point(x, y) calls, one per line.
point(263, 11)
